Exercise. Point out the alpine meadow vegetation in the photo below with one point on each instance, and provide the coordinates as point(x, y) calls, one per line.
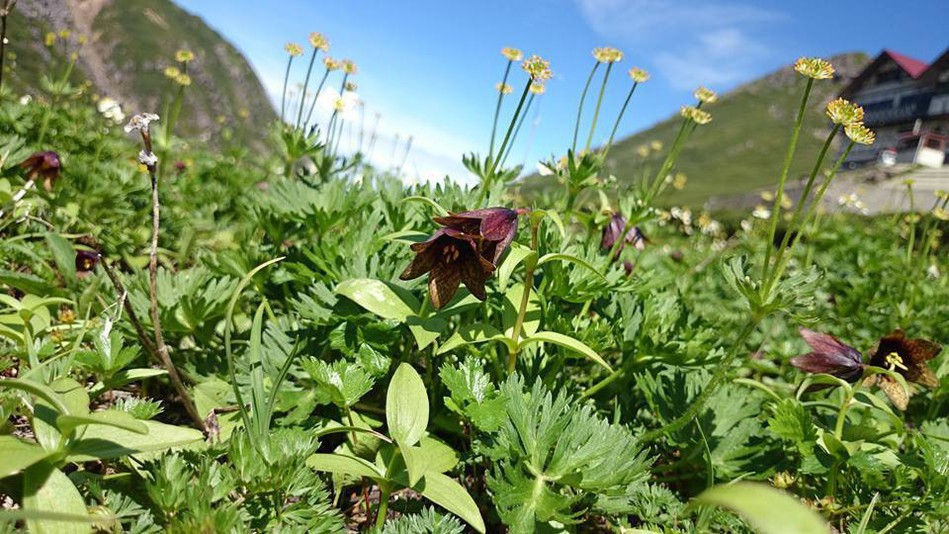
point(295, 340)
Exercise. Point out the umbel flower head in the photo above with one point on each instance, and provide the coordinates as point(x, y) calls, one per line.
point(705, 95)
point(613, 232)
point(859, 133)
point(844, 112)
point(330, 63)
point(466, 250)
point(699, 116)
point(349, 66)
point(319, 41)
point(607, 54)
point(184, 56)
point(538, 68)
point(538, 88)
point(512, 54)
point(638, 75)
point(504, 88)
point(44, 165)
point(293, 49)
point(814, 67)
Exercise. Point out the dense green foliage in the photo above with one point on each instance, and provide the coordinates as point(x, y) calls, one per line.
point(579, 395)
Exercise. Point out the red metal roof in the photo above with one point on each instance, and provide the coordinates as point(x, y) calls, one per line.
point(913, 67)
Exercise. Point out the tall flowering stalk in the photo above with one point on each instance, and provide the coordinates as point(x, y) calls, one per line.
point(609, 56)
point(329, 65)
point(512, 55)
point(319, 42)
point(638, 76)
point(293, 50)
point(140, 123)
point(538, 71)
point(180, 77)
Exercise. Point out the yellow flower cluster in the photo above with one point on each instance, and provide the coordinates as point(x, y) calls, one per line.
point(844, 112)
point(814, 67)
point(351, 86)
point(859, 133)
point(538, 68)
point(538, 88)
point(512, 54)
point(696, 115)
point(705, 95)
point(638, 75)
point(183, 79)
point(293, 49)
point(607, 54)
point(319, 41)
point(172, 72)
point(184, 56)
point(330, 63)
point(504, 88)
point(349, 66)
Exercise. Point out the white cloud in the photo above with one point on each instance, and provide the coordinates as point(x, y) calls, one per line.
point(691, 42)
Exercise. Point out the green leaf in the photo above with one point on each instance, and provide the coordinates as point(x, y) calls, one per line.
point(63, 254)
point(450, 495)
point(439, 457)
point(415, 462)
point(572, 259)
point(16, 455)
point(426, 331)
point(425, 200)
point(515, 256)
point(568, 343)
point(102, 442)
point(769, 510)
point(47, 489)
point(341, 464)
point(38, 390)
point(406, 406)
point(512, 304)
point(474, 333)
point(114, 418)
point(881, 405)
point(383, 299)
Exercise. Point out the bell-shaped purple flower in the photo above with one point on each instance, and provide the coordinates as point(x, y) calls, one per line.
point(613, 231)
point(467, 250)
point(829, 356)
point(43, 165)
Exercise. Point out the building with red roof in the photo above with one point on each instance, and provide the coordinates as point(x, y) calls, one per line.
point(906, 102)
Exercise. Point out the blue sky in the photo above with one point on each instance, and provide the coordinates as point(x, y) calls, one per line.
point(429, 67)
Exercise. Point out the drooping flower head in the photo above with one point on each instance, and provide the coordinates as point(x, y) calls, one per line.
point(844, 112)
point(512, 54)
point(613, 232)
point(538, 68)
point(44, 165)
point(466, 250)
point(907, 357)
point(699, 116)
point(830, 356)
point(607, 54)
point(638, 75)
point(293, 49)
point(814, 67)
point(859, 133)
point(319, 41)
point(86, 261)
point(705, 95)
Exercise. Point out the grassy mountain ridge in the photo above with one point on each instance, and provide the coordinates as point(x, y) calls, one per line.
point(743, 147)
point(129, 44)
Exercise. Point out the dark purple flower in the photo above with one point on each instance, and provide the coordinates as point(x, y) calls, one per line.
point(45, 165)
point(830, 356)
point(466, 250)
point(613, 231)
point(907, 357)
point(86, 261)
point(180, 167)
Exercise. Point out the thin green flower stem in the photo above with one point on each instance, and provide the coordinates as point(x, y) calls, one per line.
point(796, 224)
point(669, 161)
point(497, 108)
point(525, 299)
point(629, 96)
point(583, 97)
point(283, 99)
point(599, 103)
point(510, 128)
point(721, 372)
point(335, 115)
point(306, 83)
point(911, 244)
point(517, 129)
point(786, 255)
point(788, 157)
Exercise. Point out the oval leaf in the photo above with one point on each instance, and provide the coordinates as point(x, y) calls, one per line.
point(450, 495)
point(16, 455)
point(114, 418)
point(379, 297)
point(769, 510)
point(406, 406)
point(341, 464)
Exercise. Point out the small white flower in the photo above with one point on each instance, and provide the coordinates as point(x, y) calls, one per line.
point(344, 105)
point(140, 122)
point(746, 225)
point(761, 212)
point(147, 158)
point(932, 271)
point(25, 99)
point(111, 110)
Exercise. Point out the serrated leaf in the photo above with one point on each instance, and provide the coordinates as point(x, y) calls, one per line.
point(381, 298)
point(406, 406)
point(769, 510)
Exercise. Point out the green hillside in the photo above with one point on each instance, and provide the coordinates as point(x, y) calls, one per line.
point(128, 44)
point(743, 148)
